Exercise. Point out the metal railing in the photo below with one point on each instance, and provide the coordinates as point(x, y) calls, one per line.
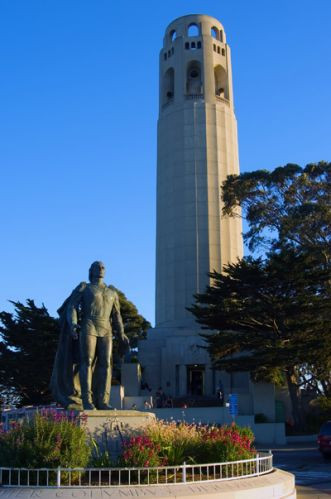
point(115, 477)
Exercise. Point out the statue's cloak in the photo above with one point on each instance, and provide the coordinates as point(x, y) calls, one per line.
point(65, 384)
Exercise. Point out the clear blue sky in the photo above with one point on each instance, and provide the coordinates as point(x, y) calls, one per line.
point(78, 112)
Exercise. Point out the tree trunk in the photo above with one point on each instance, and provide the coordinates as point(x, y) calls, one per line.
point(292, 388)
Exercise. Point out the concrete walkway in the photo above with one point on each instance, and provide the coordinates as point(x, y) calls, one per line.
point(318, 486)
point(321, 491)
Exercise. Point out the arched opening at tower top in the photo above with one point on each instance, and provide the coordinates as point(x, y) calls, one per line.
point(193, 30)
point(194, 78)
point(214, 33)
point(172, 35)
point(221, 82)
point(168, 85)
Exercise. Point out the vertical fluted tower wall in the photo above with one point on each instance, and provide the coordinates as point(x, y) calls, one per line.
point(197, 149)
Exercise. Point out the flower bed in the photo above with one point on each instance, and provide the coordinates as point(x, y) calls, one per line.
point(162, 444)
point(47, 439)
point(51, 439)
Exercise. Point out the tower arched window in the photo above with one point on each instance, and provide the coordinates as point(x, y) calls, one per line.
point(172, 35)
point(214, 33)
point(221, 82)
point(193, 30)
point(168, 85)
point(194, 79)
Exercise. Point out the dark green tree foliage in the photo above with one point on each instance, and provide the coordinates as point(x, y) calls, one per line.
point(289, 206)
point(270, 316)
point(274, 313)
point(28, 344)
point(135, 325)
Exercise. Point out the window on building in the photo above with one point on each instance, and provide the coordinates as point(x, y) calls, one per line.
point(168, 85)
point(193, 78)
point(199, 45)
point(193, 30)
point(172, 35)
point(214, 33)
point(221, 82)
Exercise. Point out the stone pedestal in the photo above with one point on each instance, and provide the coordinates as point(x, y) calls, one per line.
point(109, 428)
point(114, 420)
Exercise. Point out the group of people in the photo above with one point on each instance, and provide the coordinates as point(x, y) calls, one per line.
point(162, 400)
point(159, 400)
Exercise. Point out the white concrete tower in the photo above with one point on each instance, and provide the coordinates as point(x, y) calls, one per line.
point(197, 149)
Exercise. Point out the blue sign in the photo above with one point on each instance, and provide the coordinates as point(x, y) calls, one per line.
point(233, 404)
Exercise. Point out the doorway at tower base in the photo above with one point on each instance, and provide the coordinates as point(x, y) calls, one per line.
point(175, 360)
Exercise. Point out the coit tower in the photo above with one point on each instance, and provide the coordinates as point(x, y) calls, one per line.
point(197, 149)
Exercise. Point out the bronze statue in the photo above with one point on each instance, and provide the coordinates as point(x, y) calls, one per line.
point(81, 376)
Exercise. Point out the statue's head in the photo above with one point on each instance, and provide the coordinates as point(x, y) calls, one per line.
point(96, 271)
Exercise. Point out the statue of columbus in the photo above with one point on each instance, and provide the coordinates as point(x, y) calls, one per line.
point(81, 377)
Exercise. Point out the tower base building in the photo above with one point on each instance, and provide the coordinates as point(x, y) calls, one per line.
point(197, 150)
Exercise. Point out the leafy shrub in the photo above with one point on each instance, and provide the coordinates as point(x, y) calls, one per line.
point(100, 456)
point(169, 443)
point(225, 443)
point(141, 451)
point(176, 441)
point(319, 411)
point(48, 439)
